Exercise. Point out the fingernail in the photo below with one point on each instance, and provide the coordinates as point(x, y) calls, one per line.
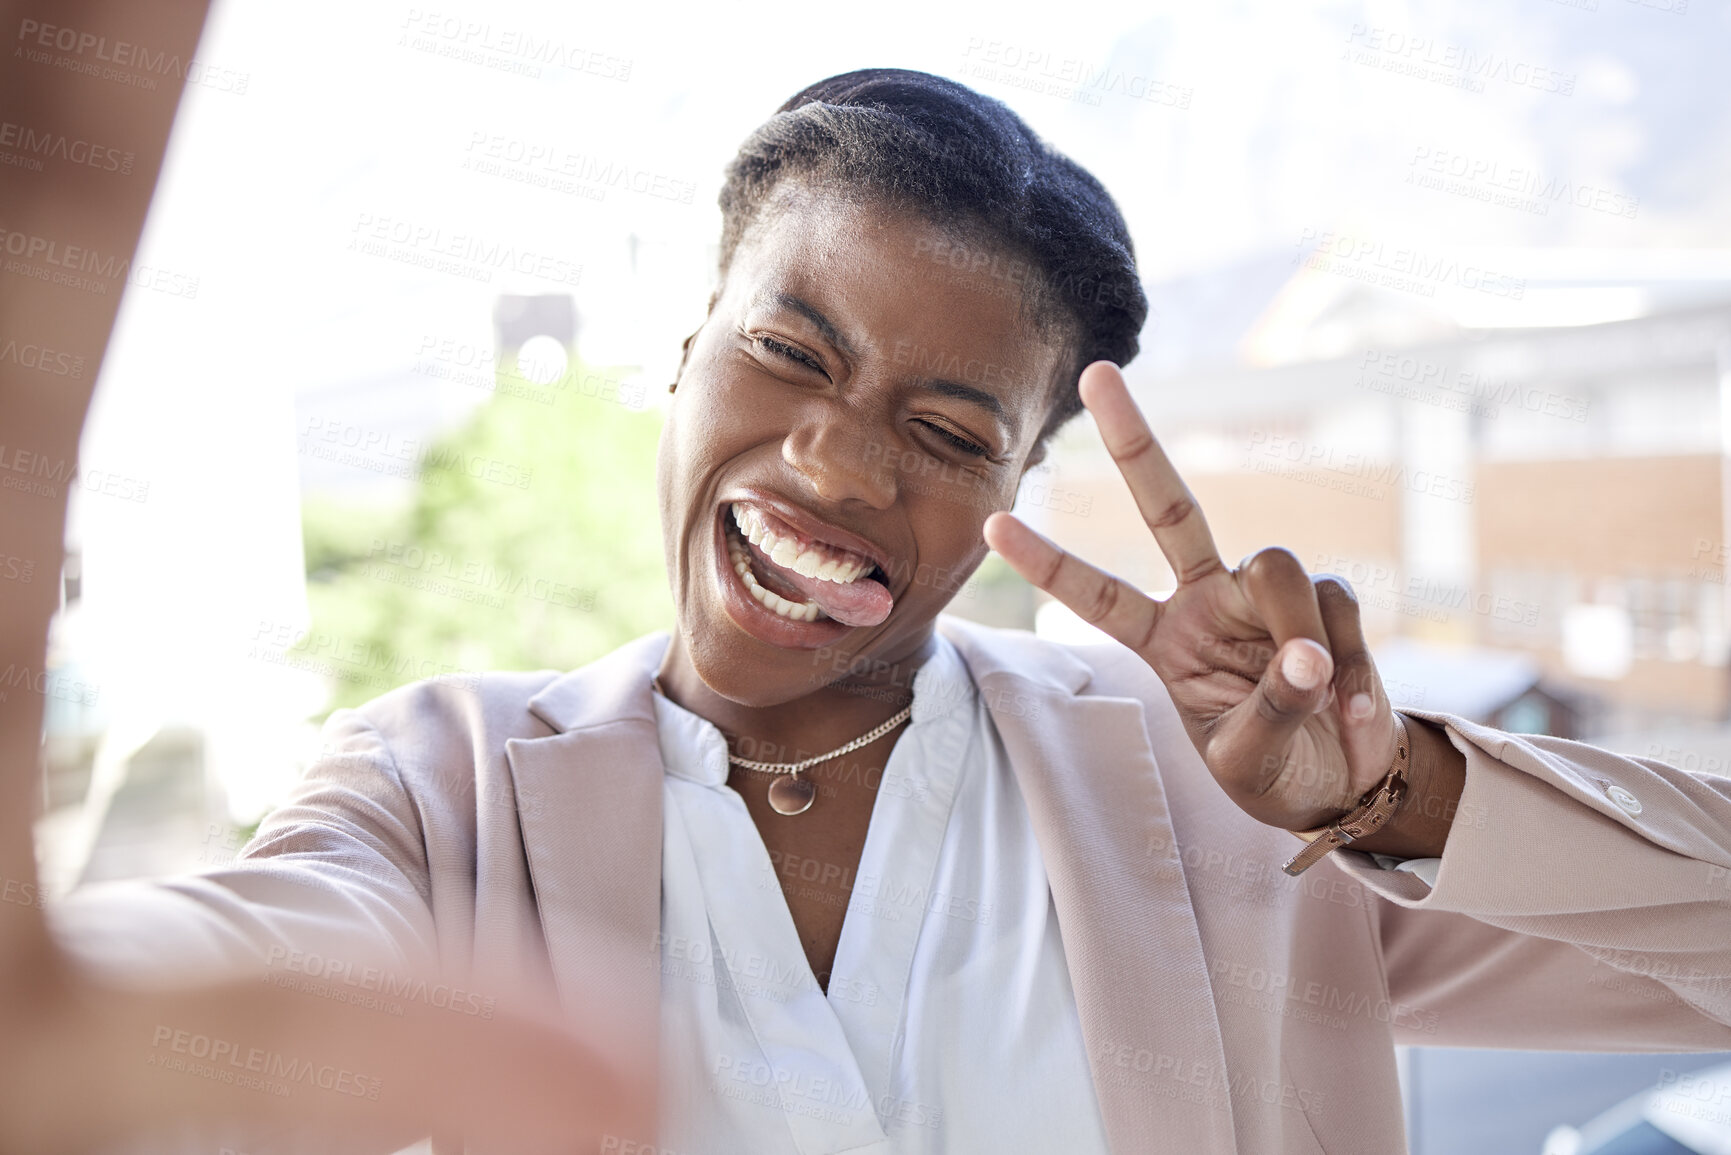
point(1302, 668)
point(1361, 707)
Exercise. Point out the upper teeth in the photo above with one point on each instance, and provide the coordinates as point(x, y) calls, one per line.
point(814, 560)
point(805, 611)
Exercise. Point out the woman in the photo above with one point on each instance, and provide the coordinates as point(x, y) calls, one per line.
point(881, 881)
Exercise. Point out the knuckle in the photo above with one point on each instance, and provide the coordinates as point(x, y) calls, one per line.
point(1356, 673)
point(1140, 443)
point(1054, 568)
point(1173, 513)
point(1104, 601)
point(1279, 702)
point(1199, 571)
point(1332, 590)
point(1274, 561)
point(1272, 710)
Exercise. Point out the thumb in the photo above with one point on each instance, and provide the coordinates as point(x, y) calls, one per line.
point(1295, 684)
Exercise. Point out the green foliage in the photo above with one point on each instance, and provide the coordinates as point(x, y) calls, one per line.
point(533, 541)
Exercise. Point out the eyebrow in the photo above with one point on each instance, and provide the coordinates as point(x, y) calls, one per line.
point(941, 386)
point(811, 313)
point(987, 401)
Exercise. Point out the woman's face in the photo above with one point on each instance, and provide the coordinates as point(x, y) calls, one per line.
point(863, 394)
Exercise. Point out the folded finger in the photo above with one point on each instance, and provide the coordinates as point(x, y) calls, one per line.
point(1366, 734)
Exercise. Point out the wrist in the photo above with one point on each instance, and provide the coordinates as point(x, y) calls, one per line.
point(1436, 778)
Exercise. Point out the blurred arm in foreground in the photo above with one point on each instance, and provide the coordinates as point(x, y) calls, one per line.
point(85, 1063)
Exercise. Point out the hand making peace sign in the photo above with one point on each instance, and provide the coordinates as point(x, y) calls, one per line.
point(1267, 665)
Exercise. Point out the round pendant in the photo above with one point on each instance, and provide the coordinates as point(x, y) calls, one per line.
point(791, 794)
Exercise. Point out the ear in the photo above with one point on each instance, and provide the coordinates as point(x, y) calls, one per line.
point(685, 347)
point(1034, 458)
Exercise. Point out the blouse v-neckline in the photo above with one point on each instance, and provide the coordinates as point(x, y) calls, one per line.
point(829, 1058)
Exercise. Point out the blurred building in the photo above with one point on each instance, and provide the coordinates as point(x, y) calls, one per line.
point(1541, 471)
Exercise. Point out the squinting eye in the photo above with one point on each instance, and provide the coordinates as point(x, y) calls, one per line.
point(961, 443)
point(782, 349)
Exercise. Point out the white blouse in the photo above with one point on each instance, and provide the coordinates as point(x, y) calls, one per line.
point(949, 1026)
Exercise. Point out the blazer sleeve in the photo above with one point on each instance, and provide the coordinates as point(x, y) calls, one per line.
point(335, 879)
point(1583, 902)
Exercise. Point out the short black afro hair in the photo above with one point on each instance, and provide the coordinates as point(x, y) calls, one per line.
point(959, 159)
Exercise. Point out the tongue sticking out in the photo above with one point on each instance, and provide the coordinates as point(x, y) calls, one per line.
point(765, 537)
point(862, 602)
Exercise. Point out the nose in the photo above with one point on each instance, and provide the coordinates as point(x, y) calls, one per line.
point(842, 457)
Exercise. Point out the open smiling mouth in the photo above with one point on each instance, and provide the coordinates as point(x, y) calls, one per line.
point(799, 579)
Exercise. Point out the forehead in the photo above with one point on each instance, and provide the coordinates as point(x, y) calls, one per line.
point(895, 283)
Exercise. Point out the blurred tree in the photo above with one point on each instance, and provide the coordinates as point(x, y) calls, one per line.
point(533, 541)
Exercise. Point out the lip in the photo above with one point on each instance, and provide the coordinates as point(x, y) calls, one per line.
point(753, 617)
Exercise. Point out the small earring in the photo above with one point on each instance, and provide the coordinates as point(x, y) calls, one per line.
point(673, 386)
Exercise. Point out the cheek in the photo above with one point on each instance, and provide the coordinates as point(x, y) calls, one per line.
point(696, 435)
point(951, 546)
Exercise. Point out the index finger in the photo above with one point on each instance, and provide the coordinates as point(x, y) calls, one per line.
point(1167, 505)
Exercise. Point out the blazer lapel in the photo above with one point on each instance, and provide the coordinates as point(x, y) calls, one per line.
point(1099, 811)
point(590, 807)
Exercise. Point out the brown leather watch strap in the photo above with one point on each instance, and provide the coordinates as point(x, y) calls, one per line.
point(1371, 813)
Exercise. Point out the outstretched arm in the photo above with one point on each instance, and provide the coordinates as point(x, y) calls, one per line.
point(1582, 900)
point(84, 1063)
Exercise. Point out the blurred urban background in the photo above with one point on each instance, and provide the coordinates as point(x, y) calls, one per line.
point(1441, 301)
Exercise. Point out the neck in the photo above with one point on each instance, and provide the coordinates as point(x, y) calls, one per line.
point(826, 717)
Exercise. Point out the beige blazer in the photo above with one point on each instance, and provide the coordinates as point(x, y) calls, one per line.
point(1583, 902)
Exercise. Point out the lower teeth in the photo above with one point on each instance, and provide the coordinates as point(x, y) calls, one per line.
point(769, 599)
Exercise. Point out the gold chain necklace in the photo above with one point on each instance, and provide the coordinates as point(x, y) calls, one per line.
point(789, 793)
